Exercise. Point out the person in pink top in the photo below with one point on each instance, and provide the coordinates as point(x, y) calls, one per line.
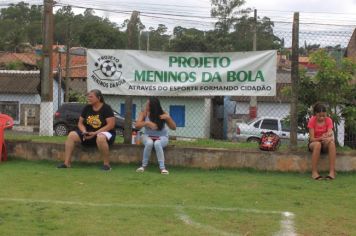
point(321, 139)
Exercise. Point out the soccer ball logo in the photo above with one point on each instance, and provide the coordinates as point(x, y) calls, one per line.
point(108, 68)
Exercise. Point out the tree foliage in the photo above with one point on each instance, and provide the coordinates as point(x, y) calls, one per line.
point(21, 24)
point(331, 85)
point(227, 12)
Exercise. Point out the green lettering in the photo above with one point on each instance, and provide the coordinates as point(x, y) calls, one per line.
point(260, 76)
point(172, 60)
point(207, 62)
point(182, 61)
point(140, 76)
point(231, 76)
point(242, 76)
point(216, 76)
point(206, 77)
point(150, 76)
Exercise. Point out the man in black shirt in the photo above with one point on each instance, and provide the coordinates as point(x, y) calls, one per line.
point(96, 127)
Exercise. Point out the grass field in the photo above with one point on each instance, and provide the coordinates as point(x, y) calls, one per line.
point(38, 199)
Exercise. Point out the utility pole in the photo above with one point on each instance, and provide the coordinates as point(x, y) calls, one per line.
point(295, 83)
point(131, 28)
point(66, 94)
point(253, 99)
point(46, 107)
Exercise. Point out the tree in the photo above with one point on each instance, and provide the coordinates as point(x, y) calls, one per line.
point(101, 34)
point(18, 25)
point(188, 40)
point(159, 40)
point(227, 13)
point(234, 29)
point(331, 85)
point(134, 26)
point(243, 34)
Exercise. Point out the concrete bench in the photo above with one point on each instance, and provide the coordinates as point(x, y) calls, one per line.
point(206, 158)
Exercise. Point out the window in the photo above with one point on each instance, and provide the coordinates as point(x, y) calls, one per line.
point(270, 124)
point(178, 114)
point(122, 110)
point(30, 112)
point(10, 108)
point(257, 124)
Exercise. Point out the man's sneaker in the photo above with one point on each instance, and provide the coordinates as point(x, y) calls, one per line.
point(141, 169)
point(106, 168)
point(62, 165)
point(164, 172)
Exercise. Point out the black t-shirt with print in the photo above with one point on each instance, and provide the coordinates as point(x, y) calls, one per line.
point(94, 120)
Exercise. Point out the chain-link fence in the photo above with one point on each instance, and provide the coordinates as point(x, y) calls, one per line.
point(241, 118)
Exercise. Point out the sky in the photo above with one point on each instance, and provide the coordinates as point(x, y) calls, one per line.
point(329, 16)
point(331, 11)
point(340, 12)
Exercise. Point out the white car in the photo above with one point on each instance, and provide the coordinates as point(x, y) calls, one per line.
point(252, 131)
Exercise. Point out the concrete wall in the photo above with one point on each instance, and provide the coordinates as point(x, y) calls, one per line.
point(187, 157)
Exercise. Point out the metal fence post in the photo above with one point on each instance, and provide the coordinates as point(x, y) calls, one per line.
point(295, 79)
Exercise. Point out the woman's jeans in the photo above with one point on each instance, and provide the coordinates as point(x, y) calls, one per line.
point(159, 145)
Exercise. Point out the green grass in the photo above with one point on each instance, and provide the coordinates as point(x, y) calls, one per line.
point(38, 199)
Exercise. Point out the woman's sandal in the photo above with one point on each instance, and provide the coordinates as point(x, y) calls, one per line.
point(319, 177)
point(329, 177)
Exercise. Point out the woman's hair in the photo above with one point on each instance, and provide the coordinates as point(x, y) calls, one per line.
point(98, 94)
point(155, 112)
point(319, 107)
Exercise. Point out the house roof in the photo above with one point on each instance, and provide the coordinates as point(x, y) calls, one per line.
point(279, 98)
point(78, 65)
point(26, 58)
point(19, 82)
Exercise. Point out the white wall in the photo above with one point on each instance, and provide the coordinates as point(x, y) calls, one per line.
point(31, 99)
point(22, 99)
point(197, 113)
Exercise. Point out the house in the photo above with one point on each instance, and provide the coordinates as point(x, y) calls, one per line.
point(351, 47)
point(192, 115)
point(20, 98)
point(78, 65)
point(77, 70)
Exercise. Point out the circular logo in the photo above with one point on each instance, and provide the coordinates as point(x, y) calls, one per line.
point(108, 68)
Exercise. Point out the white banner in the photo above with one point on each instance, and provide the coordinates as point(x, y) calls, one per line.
point(140, 73)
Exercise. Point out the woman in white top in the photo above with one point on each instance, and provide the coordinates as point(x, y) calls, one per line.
point(155, 122)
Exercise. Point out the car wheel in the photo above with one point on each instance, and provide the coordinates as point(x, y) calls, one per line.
point(61, 130)
point(253, 140)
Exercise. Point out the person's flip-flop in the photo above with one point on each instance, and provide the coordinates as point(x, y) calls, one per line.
point(329, 177)
point(319, 177)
